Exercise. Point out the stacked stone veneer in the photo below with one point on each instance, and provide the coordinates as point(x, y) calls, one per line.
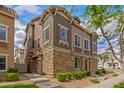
point(56, 60)
point(47, 63)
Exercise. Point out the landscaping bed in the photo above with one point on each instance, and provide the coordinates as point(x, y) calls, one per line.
point(12, 76)
point(21, 77)
point(119, 85)
point(84, 81)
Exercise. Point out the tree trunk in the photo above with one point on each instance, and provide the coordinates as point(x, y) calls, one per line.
point(110, 45)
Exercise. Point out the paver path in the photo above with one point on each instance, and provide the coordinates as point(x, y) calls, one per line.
point(109, 83)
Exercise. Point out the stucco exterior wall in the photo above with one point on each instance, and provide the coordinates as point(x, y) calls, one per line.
point(82, 35)
point(8, 48)
point(48, 22)
point(58, 19)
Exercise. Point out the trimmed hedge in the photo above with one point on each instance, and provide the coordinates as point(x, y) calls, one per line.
point(61, 77)
point(12, 76)
point(70, 75)
point(12, 70)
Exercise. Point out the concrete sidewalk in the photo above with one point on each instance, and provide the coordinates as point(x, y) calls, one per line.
point(109, 83)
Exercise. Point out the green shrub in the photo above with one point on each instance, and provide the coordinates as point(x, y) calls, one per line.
point(68, 75)
point(115, 74)
point(119, 85)
point(101, 72)
point(95, 81)
point(82, 74)
point(98, 72)
point(12, 76)
point(61, 77)
point(104, 71)
point(76, 75)
point(88, 73)
point(12, 70)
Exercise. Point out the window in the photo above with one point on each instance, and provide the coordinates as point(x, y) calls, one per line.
point(86, 44)
point(30, 33)
point(63, 34)
point(86, 61)
point(94, 47)
point(77, 40)
point(46, 35)
point(3, 33)
point(2, 62)
point(77, 62)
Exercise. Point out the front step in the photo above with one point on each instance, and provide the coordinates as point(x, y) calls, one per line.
point(47, 85)
point(39, 80)
point(32, 75)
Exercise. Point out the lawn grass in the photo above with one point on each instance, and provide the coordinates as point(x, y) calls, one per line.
point(19, 86)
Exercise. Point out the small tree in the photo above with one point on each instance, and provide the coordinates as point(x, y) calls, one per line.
point(104, 58)
point(99, 16)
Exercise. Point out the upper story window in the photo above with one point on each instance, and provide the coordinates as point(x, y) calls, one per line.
point(3, 33)
point(86, 44)
point(63, 33)
point(94, 47)
point(29, 33)
point(3, 62)
point(46, 34)
point(77, 40)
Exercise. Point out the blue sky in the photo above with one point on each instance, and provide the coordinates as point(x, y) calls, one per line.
point(27, 12)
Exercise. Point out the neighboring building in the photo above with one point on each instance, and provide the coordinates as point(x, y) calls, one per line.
point(20, 64)
point(56, 42)
point(7, 17)
point(110, 63)
point(19, 56)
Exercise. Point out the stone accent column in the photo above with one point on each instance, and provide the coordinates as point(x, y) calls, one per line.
point(39, 64)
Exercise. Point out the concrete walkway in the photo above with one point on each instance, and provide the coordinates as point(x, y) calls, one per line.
point(40, 81)
point(109, 83)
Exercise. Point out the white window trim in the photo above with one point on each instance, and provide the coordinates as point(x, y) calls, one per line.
point(6, 55)
point(46, 27)
point(63, 26)
point(5, 41)
point(74, 40)
point(96, 46)
point(88, 44)
point(66, 33)
point(45, 30)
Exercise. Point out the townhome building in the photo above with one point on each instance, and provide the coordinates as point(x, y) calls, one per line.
point(7, 17)
point(56, 42)
point(19, 56)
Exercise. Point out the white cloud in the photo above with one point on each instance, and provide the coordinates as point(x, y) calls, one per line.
point(26, 8)
point(18, 25)
point(19, 38)
point(108, 28)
